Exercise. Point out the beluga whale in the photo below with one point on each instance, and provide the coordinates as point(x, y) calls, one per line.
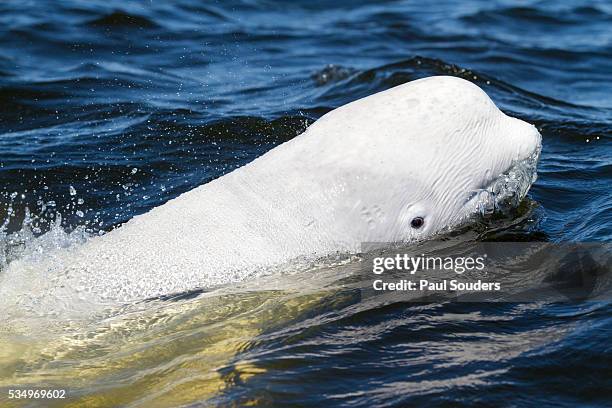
point(401, 165)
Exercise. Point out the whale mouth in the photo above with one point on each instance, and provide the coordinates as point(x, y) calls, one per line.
point(505, 192)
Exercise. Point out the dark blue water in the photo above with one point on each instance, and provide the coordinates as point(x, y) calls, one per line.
point(110, 108)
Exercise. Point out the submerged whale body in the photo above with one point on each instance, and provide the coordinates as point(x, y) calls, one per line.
point(399, 165)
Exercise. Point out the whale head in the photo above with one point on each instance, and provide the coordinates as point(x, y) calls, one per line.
point(426, 156)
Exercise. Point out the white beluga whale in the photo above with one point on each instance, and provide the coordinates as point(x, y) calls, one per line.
point(401, 165)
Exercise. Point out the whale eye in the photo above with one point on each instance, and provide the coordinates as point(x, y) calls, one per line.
point(417, 222)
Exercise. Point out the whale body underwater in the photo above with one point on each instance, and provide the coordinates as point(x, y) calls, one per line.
point(401, 165)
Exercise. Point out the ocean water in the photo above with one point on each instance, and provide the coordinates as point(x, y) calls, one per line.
point(111, 108)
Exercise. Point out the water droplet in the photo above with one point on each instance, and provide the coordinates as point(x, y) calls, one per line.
point(72, 191)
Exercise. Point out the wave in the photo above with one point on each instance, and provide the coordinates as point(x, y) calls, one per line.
point(120, 19)
point(546, 16)
point(346, 79)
